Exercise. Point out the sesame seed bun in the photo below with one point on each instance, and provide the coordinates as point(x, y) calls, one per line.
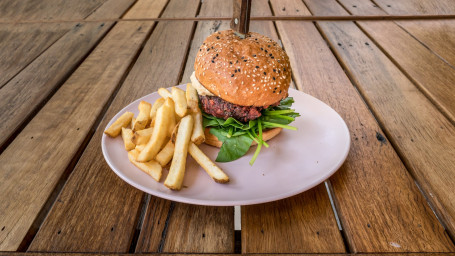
point(253, 71)
point(212, 140)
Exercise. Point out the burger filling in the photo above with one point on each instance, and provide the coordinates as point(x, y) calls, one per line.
point(220, 108)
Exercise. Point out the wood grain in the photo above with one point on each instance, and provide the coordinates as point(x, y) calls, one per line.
point(53, 137)
point(424, 138)
point(431, 74)
point(58, 131)
point(47, 10)
point(219, 8)
point(102, 210)
point(26, 92)
point(188, 228)
point(375, 217)
point(437, 35)
point(303, 223)
point(144, 9)
point(418, 6)
point(158, 254)
point(22, 43)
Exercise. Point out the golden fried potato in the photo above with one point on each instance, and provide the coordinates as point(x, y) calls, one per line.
point(160, 132)
point(127, 135)
point(143, 118)
point(178, 95)
point(158, 103)
point(198, 130)
point(210, 167)
point(170, 103)
point(142, 136)
point(116, 127)
point(165, 155)
point(174, 179)
point(163, 92)
point(192, 98)
point(151, 167)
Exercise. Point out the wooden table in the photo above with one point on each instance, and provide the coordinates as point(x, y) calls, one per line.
point(67, 67)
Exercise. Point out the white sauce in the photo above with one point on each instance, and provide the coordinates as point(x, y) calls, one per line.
point(201, 90)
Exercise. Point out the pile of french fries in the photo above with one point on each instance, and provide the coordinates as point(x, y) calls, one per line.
point(167, 130)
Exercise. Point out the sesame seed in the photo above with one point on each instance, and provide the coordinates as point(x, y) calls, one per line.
point(232, 75)
point(257, 66)
point(265, 73)
point(273, 78)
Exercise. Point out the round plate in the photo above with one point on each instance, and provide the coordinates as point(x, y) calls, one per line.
point(295, 161)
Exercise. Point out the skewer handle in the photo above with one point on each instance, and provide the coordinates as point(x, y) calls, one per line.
point(240, 22)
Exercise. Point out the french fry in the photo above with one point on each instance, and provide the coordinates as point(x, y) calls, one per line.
point(174, 132)
point(142, 136)
point(178, 95)
point(191, 98)
point(158, 103)
point(152, 167)
point(140, 147)
point(165, 155)
point(159, 134)
point(198, 131)
point(127, 135)
point(170, 103)
point(211, 168)
point(144, 116)
point(163, 92)
point(116, 127)
point(174, 179)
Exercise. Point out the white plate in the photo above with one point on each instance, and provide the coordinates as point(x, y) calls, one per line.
point(295, 161)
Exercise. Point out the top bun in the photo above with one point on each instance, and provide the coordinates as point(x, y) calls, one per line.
point(254, 71)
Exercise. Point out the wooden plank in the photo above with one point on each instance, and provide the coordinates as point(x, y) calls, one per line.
point(58, 131)
point(212, 8)
point(373, 179)
point(437, 35)
point(177, 227)
point(97, 207)
point(424, 138)
point(155, 254)
point(301, 224)
point(22, 43)
point(143, 9)
point(431, 74)
point(411, 7)
point(47, 10)
point(26, 92)
point(309, 226)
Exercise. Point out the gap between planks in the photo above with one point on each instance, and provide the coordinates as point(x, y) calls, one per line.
point(383, 127)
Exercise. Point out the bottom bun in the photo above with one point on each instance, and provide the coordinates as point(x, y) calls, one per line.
point(212, 140)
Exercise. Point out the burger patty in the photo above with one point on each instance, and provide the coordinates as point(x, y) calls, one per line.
point(220, 108)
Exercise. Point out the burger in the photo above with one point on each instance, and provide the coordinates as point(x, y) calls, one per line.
point(243, 91)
